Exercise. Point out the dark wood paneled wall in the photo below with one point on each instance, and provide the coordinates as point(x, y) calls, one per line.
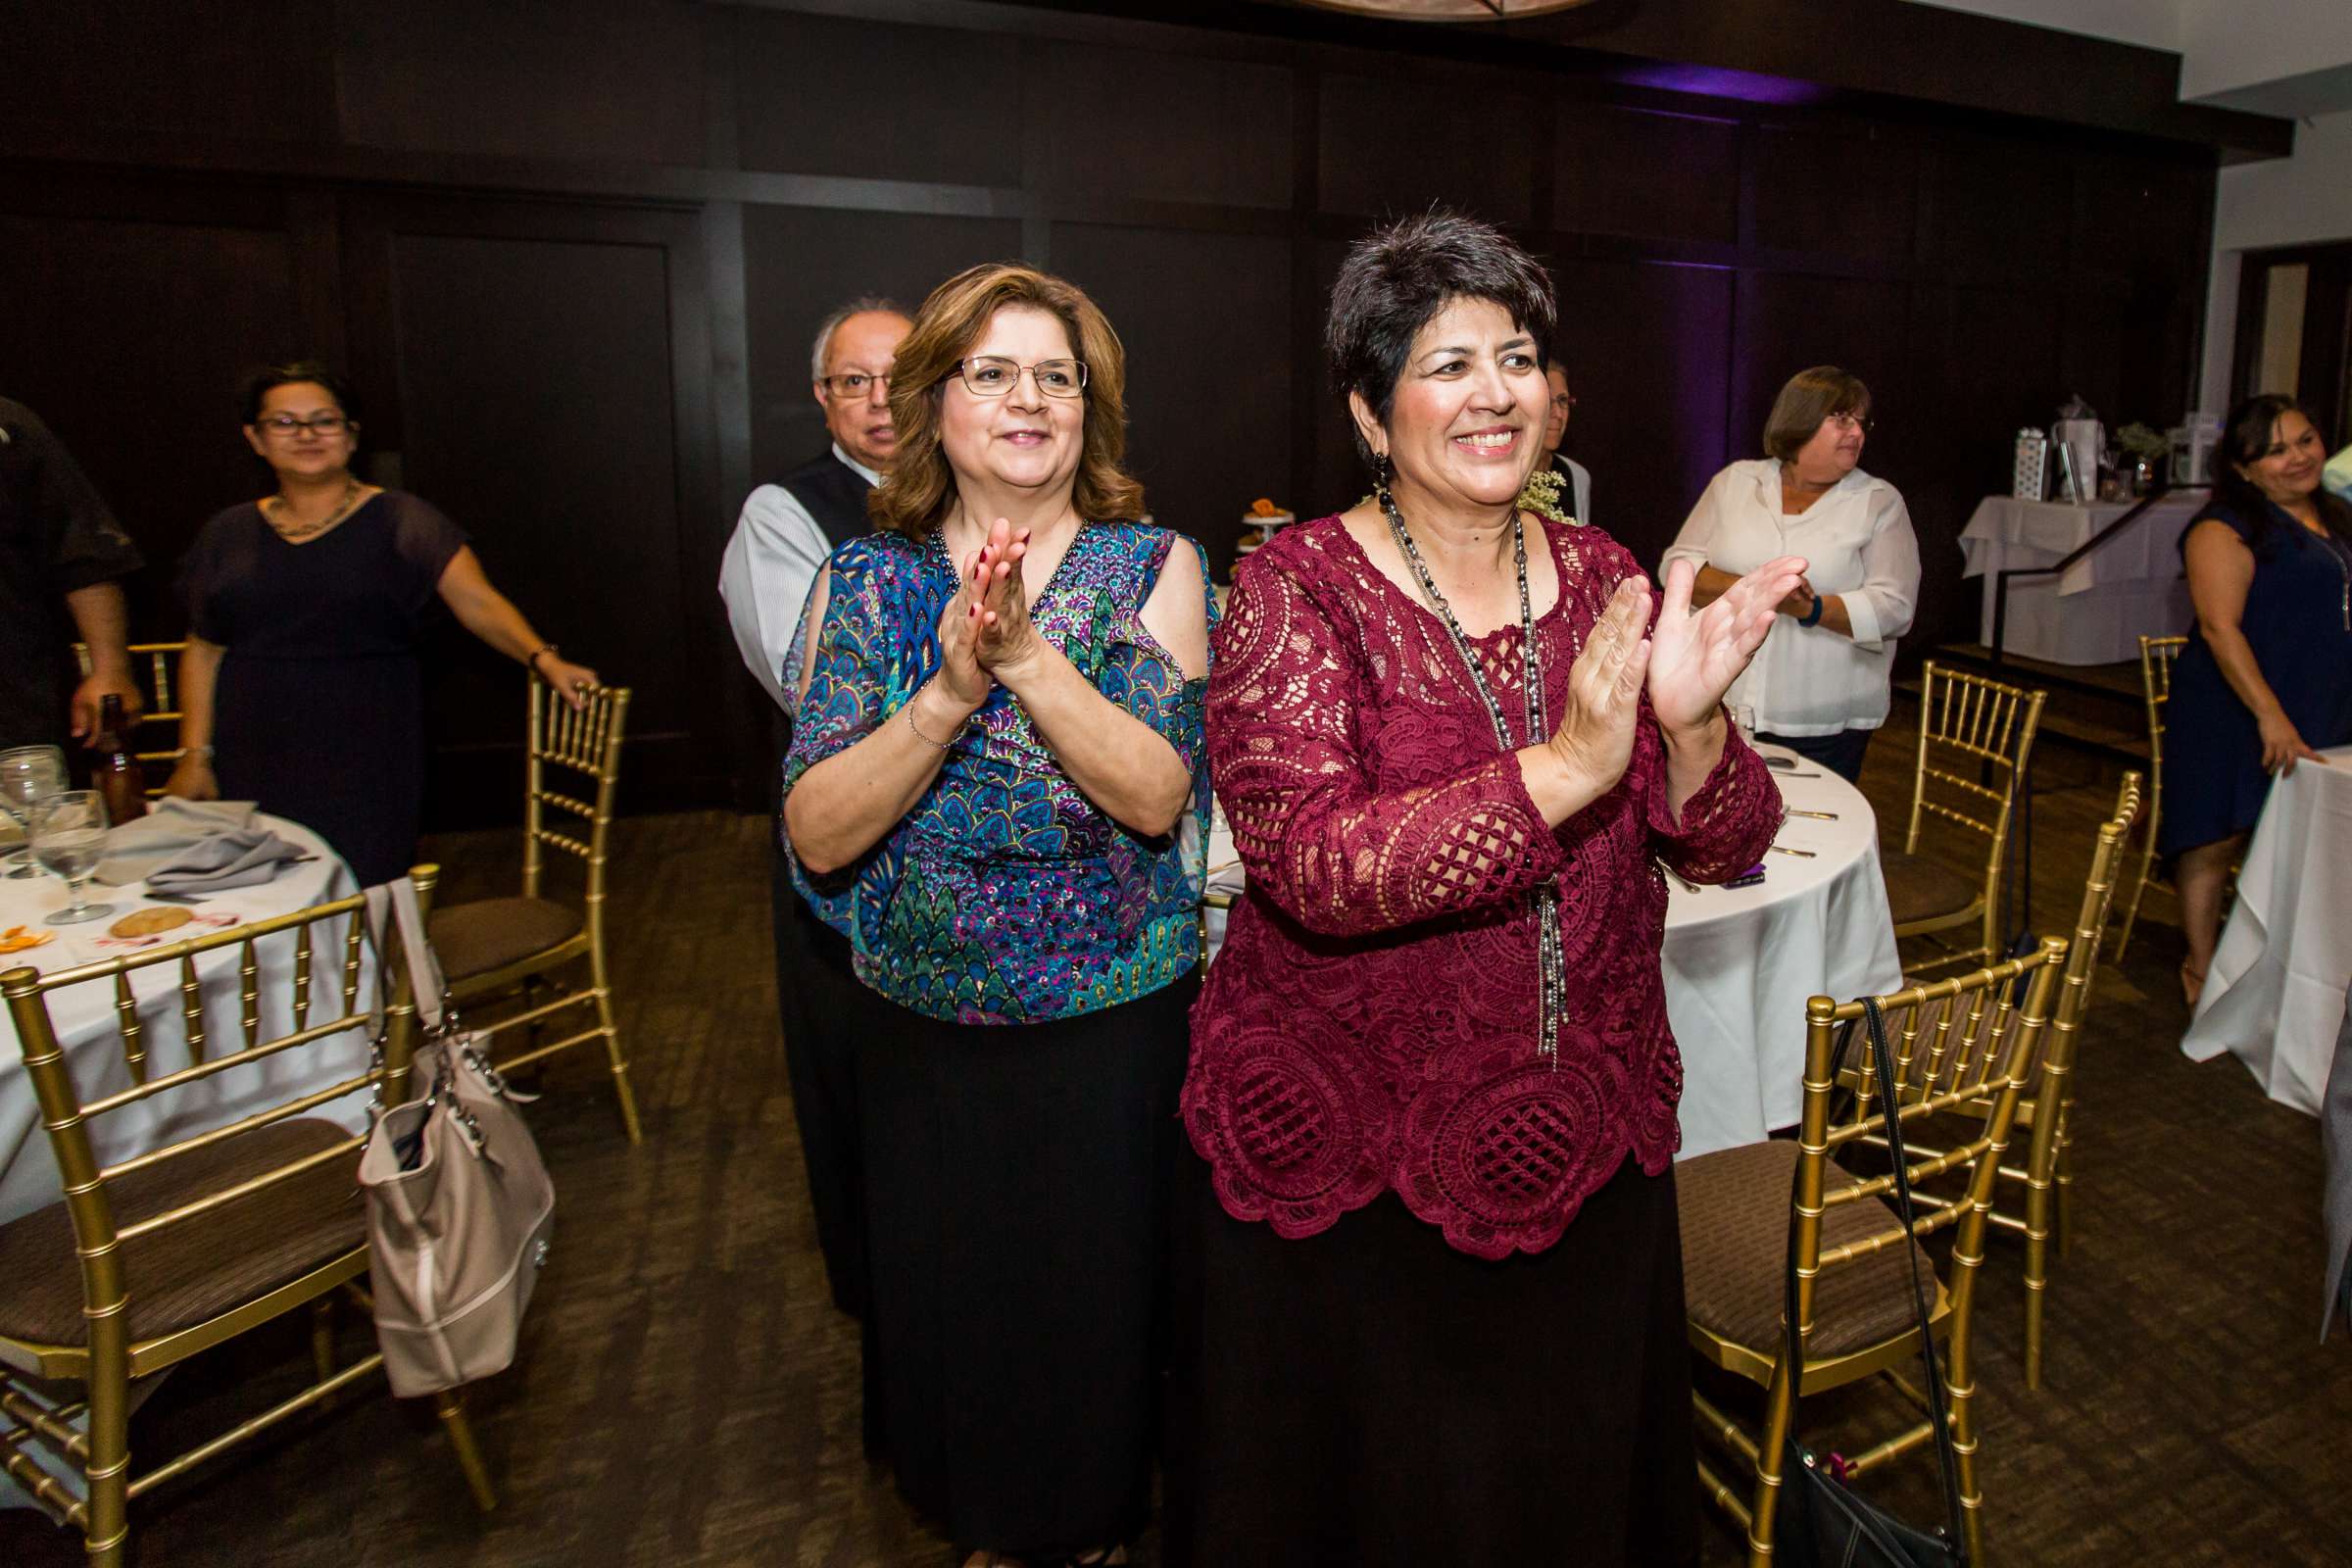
point(572, 252)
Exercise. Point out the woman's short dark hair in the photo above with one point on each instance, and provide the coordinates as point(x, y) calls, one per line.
point(2246, 437)
point(1810, 397)
point(261, 382)
point(1401, 275)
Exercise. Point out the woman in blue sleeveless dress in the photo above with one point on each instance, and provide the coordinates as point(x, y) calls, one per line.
point(2265, 682)
point(996, 790)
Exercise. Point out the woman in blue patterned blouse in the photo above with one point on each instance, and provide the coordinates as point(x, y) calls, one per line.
point(997, 791)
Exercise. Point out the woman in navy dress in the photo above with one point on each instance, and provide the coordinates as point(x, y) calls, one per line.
point(2265, 682)
point(300, 688)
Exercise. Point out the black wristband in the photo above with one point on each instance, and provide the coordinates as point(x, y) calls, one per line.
point(1812, 618)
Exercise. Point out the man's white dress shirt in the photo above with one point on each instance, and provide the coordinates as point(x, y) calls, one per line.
point(1858, 545)
point(770, 565)
point(1580, 486)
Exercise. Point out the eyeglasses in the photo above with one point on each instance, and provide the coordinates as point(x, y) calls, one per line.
point(285, 424)
point(1853, 421)
point(853, 384)
point(992, 375)
point(1564, 402)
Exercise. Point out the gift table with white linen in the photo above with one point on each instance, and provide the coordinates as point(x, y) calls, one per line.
point(2275, 992)
point(1739, 963)
point(2095, 612)
point(88, 1026)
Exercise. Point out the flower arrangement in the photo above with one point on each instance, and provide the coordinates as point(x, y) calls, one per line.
point(2140, 441)
point(1540, 495)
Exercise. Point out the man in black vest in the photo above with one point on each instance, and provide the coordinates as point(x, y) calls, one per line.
point(780, 544)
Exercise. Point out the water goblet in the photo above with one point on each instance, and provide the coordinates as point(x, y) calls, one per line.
point(27, 774)
point(69, 838)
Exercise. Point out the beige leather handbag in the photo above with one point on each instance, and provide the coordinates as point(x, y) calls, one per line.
point(460, 1208)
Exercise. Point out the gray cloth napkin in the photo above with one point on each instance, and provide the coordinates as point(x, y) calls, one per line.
point(239, 859)
point(173, 828)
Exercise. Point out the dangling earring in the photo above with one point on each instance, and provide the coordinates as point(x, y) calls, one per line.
point(1381, 470)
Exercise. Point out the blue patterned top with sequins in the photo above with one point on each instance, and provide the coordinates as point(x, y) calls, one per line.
point(1006, 896)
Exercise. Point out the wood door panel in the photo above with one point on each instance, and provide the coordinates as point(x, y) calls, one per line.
point(1207, 432)
point(134, 356)
point(1644, 348)
point(527, 361)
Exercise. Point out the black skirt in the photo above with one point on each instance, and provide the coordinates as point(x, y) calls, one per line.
point(1017, 1184)
point(1370, 1395)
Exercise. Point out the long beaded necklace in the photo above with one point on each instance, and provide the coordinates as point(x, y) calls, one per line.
point(1552, 965)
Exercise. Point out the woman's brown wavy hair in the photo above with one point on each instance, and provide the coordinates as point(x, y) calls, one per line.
point(914, 495)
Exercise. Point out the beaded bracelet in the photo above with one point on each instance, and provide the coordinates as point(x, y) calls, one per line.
point(937, 746)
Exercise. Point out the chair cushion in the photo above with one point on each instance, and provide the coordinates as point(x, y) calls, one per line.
point(491, 933)
point(191, 1271)
point(1736, 1218)
point(1921, 888)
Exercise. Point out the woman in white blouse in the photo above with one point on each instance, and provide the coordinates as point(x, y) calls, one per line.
point(1819, 684)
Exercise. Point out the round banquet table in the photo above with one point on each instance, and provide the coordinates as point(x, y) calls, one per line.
point(83, 1016)
point(1741, 962)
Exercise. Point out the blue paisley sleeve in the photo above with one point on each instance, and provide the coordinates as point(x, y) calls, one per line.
point(849, 685)
point(1144, 678)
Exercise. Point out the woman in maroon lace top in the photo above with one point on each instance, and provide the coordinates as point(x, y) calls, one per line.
point(1432, 1306)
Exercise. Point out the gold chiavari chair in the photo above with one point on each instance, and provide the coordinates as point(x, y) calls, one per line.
point(157, 745)
point(2156, 656)
point(2046, 1108)
point(1975, 738)
point(164, 1254)
point(1953, 1041)
point(491, 946)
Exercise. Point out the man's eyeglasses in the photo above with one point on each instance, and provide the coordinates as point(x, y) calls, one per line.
point(992, 375)
point(285, 424)
point(1853, 421)
point(853, 384)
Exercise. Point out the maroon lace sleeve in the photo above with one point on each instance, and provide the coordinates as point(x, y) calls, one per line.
point(1293, 684)
point(1727, 824)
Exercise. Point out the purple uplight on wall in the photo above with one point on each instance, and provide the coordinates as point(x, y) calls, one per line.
point(1714, 82)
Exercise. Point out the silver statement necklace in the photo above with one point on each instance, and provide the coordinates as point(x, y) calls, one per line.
point(1552, 965)
point(278, 512)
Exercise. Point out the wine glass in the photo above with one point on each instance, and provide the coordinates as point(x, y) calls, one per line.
point(69, 837)
point(27, 774)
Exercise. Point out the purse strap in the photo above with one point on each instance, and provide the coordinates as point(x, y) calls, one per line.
point(1946, 1461)
point(395, 902)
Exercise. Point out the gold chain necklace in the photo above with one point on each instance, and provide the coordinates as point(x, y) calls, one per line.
point(294, 532)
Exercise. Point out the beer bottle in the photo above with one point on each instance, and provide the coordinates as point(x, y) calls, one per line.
point(115, 773)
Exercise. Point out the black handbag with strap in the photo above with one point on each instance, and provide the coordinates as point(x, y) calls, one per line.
point(1821, 1521)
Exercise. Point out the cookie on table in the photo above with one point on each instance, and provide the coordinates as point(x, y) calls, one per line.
point(150, 922)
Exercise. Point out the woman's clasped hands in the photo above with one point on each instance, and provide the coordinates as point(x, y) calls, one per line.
point(1594, 738)
point(1696, 657)
point(985, 633)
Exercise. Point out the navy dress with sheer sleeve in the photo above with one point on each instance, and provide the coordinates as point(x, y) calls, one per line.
point(2298, 620)
point(319, 711)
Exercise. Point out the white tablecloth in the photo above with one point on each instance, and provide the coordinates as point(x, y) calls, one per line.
point(1739, 963)
point(2095, 612)
point(84, 1018)
point(2275, 995)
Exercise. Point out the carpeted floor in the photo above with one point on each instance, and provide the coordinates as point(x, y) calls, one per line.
point(687, 1396)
